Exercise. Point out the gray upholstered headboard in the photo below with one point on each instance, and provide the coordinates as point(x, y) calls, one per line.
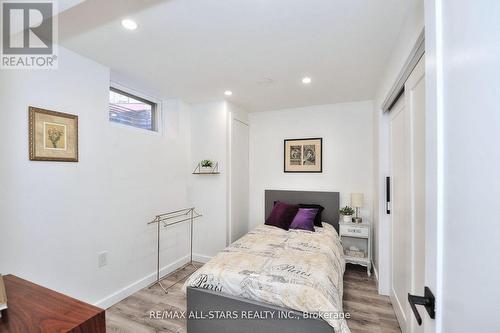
point(329, 200)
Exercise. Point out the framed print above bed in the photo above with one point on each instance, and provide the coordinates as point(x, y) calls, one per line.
point(303, 155)
point(53, 136)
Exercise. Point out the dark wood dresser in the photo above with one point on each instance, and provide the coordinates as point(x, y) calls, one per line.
point(35, 309)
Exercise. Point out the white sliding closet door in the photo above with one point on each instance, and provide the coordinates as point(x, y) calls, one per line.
point(407, 130)
point(415, 100)
point(401, 226)
point(239, 179)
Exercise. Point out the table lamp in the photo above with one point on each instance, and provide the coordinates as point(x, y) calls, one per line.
point(357, 202)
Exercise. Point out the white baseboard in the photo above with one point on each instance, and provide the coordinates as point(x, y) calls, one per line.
point(201, 258)
point(375, 272)
point(140, 284)
point(380, 292)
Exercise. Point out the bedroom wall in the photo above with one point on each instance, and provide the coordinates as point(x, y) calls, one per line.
point(414, 24)
point(211, 194)
point(238, 186)
point(346, 130)
point(56, 217)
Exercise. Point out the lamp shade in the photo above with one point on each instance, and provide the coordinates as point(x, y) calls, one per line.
point(357, 199)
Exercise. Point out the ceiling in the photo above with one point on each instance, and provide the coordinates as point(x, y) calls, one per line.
point(196, 49)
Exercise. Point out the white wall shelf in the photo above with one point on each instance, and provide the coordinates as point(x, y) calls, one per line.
point(213, 171)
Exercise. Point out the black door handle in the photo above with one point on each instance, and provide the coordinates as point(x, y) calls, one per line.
point(388, 195)
point(428, 301)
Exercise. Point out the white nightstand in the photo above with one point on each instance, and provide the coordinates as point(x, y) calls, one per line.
point(360, 236)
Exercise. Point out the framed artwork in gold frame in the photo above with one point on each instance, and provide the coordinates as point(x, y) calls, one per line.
point(53, 136)
point(303, 155)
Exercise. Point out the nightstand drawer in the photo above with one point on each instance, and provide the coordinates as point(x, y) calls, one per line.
point(354, 231)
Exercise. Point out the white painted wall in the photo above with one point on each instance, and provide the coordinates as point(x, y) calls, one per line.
point(56, 217)
point(209, 193)
point(346, 130)
point(414, 24)
point(239, 173)
point(471, 161)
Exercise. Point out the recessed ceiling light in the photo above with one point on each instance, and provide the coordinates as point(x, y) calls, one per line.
point(228, 92)
point(129, 24)
point(306, 80)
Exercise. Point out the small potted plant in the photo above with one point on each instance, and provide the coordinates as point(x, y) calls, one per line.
point(206, 166)
point(347, 213)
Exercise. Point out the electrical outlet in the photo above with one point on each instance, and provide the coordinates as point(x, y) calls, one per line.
point(102, 259)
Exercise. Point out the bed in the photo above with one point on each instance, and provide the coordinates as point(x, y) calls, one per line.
point(292, 279)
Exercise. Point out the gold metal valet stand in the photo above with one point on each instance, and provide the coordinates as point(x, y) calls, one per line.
point(170, 219)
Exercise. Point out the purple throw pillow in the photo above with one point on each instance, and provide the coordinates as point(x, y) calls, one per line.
point(317, 219)
point(282, 215)
point(304, 219)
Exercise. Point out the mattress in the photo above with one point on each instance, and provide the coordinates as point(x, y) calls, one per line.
point(295, 269)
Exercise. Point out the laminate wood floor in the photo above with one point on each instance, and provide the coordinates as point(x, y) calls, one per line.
point(370, 312)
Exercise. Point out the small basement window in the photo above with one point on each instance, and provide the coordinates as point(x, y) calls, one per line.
point(131, 110)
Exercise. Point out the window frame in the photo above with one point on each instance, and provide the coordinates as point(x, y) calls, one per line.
point(156, 107)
